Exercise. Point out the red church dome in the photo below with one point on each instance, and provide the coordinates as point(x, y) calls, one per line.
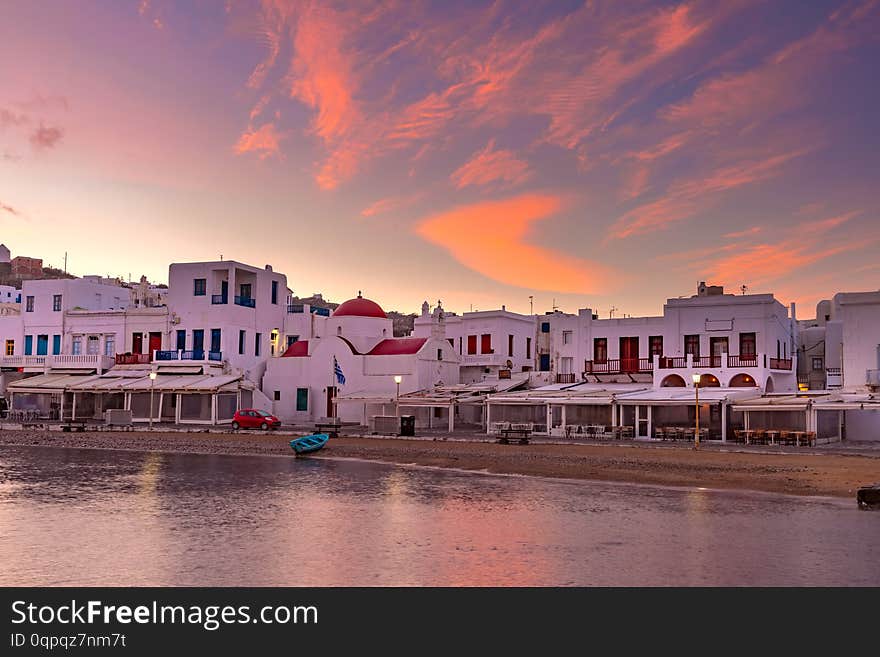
point(360, 307)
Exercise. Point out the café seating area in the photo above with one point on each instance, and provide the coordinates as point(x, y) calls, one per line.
point(680, 433)
point(599, 431)
point(775, 437)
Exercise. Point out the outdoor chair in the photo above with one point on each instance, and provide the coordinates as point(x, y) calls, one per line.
point(760, 437)
point(739, 436)
point(787, 437)
point(660, 432)
point(810, 438)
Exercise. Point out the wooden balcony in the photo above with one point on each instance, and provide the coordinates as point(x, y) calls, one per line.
point(673, 362)
point(780, 364)
point(748, 360)
point(134, 359)
point(620, 366)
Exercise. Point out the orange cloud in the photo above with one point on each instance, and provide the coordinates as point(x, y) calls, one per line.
point(754, 230)
point(263, 141)
point(491, 238)
point(488, 166)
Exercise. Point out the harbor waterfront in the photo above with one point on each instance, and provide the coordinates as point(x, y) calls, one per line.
point(826, 470)
point(88, 517)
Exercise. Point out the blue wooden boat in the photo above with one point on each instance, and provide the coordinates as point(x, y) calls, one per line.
point(310, 443)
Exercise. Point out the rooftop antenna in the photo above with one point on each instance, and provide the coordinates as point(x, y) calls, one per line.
point(221, 257)
point(744, 288)
point(554, 306)
point(611, 311)
point(65, 262)
point(531, 304)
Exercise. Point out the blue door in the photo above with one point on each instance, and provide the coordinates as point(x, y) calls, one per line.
point(181, 339)
point(544, 364)
point(42, 345)
point(198, 340)
point(215, 340)
point(28, 345)
point(56, 344)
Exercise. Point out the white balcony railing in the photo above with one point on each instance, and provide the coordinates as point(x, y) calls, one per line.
point(96, 361)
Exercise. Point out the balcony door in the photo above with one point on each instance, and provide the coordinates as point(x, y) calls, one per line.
point(629, 354)
point(137, 343)
point(155, 341)
point(718, 346)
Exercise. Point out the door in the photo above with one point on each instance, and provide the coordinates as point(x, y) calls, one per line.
point(718, 346)
point(137, 343)
point(42, 345)
point(224, 291)
point(155, 342)
point(198, 341)
point(629, 354)
point(331, 407)
point(215, 340)
point(544, 363)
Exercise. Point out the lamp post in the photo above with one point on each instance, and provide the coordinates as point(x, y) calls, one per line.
point(152, 381)
point(398, 379)
point(696, 378)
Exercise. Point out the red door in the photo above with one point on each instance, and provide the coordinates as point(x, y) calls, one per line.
point(331, 407)
point(155, 342)
point(629, 354)
point(137, 343)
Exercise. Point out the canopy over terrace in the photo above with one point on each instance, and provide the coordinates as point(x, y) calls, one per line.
point(794, 411)
point(857, 415)
point(464, 400)
point(175, 398)
point(43, 393)
point(556, 406)
point(677, 407)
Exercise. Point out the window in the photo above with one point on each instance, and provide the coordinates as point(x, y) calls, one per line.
point(181, 339)
point(28, 345)
point(273, 341)
point(566, 365)
point(245, 290)
point(459, 344)
point(439, 354)
point(486, 344)
point(275, 292)
point(290, 339)
point(199, 287)
point(747, 345)
point(56, 303)
point(656, 342)
point(76, 346)
point(451, 342)
point(277, 396)
point(92, 345)
point(110, 345)
point(241, 340)
point(472, 344)
point(10, 347)
point(56, 345)
point(510, 345)
point(817, 364)
point(528, 348)
point(692, 345)
point(42, 345)
point(215, 340)
point(29, 304)
point(302, 399)
point(566, 337)
point(545, 327)
point(257, 344)
point(600, 350)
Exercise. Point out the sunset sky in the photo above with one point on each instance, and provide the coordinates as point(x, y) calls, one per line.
point(597, 154)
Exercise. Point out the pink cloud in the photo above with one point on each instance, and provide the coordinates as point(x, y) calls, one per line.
point(44, 138)
point(492, 238)
point(491, 166)
point(748, 232)
point(264, 142)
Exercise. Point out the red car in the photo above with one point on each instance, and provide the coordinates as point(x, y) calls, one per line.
point(253, 418)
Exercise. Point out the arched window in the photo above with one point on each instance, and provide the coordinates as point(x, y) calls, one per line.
point(672, 381)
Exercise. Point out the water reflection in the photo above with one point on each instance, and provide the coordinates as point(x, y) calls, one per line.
point(89, 517)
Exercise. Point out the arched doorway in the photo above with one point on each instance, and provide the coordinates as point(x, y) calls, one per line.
point(743, 381)
point(769, 386)
point(672, 381)
point(709, 381)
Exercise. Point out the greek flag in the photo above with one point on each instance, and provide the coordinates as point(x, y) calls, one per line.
point(340, 377)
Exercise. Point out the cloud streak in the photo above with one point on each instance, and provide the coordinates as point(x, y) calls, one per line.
point(491, 166)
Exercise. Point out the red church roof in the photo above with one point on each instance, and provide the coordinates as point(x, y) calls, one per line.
point(360, 307)
point(298, 348)
point(397, 346)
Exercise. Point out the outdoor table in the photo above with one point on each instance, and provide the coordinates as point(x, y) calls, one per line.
point(748, 433)
point(797, 437)
point(771, 434)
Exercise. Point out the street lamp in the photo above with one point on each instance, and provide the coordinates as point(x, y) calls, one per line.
point(152, 381)
point(696, 378)
point(398, 379)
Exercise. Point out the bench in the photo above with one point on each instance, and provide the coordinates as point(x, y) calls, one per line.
point(74, 426)
point(330, 428)
point(522, 433)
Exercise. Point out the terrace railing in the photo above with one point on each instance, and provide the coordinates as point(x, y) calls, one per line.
point(747, 360)
point(673, 362)
point(780, 364)
point(247, 302)
point(566, 378)
point(217, 299)
point(133, 359)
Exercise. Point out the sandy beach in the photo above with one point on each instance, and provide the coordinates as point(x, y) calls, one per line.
point(714, 466)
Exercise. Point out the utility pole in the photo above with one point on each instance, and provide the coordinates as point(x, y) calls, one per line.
point(65, 262)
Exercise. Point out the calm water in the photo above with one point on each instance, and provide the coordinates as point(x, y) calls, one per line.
point(89, 517)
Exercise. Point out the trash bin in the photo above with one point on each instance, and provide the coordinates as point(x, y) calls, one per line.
point(407, 425)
